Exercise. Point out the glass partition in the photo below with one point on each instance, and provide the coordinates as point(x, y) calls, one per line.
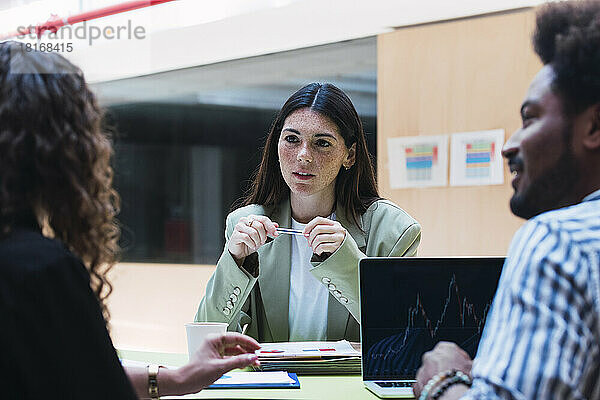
point(187, 142)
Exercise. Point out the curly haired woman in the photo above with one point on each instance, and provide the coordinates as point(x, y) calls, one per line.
point(55, 178)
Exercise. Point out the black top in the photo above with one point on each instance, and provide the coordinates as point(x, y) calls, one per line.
point(53, 338)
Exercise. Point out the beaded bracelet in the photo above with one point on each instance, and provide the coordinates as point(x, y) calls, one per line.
point(434, 381)
point(458, 377)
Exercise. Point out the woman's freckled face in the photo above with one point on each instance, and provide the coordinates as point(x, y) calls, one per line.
point(311, 152)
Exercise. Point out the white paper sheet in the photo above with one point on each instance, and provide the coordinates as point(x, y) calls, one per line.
point(258, 378)
point(307, 349)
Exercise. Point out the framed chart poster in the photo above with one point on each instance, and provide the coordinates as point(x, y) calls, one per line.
point(476, 159)
point(418, 161)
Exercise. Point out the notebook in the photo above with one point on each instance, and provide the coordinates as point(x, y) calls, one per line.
point(256, 380)
point(410, 304)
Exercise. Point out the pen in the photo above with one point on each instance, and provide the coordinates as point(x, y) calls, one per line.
point(290, 231)
point(244, 329)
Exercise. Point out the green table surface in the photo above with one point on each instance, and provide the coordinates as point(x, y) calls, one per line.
point(344, 387)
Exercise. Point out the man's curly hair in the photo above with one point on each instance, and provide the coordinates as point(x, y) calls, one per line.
point(55, 158)
point(567, 37)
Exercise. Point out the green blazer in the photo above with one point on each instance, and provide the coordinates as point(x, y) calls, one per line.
point(258, 293)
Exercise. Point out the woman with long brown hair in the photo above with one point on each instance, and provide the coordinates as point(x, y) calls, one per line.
point(58, 239)
point(316, 177)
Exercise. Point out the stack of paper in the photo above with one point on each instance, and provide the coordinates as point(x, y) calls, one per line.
point(310, 358)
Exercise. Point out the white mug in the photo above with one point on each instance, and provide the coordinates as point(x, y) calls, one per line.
point(197, 332)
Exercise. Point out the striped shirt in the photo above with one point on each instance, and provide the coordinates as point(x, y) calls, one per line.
point(542, 337)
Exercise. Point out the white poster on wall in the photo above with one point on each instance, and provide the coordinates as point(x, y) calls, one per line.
point(476, 159)
point(418, 161)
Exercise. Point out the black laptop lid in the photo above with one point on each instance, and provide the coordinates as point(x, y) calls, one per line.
point(410, 304)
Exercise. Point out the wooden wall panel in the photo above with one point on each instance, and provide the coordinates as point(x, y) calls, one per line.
point(455, 76)
point(151, 303)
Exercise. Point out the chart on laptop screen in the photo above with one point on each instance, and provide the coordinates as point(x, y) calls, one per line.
point(409, 307)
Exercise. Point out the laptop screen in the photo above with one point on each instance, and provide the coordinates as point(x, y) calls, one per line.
point(410, 304)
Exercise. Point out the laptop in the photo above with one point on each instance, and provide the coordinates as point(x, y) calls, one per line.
point(409, 304)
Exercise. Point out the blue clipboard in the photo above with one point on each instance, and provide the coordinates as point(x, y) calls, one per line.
point(293, 385)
